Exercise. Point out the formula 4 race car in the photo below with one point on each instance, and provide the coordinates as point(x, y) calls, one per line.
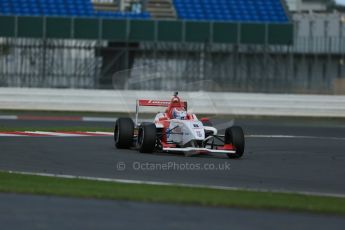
point(176, 130)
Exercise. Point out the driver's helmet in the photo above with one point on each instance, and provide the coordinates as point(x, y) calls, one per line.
point(175, 100)
point(179, 113)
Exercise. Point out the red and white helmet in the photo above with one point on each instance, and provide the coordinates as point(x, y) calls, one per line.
point(179, 113)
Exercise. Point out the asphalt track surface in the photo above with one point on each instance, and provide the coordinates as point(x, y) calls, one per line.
point(312, 159)
point(44, 212)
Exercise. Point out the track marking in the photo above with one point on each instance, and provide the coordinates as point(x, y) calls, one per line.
point(85, 133)
point(295, 137)
point(106, 133)
point(93, 134)
point(102, 119)
point(57, 118)
point(11, 135)
point(49, 118)
point(56, 134)
point(25, 133)
point(53, 134)
point(176, 184)
point(8, 117)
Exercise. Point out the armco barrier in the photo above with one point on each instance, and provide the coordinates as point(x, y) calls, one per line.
point(199, 102)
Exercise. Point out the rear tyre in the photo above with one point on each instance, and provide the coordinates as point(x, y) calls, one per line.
point(147, 136)
point(235, 136)
point(123, 133)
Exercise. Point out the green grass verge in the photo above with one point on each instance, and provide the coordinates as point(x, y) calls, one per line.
point(41, 185)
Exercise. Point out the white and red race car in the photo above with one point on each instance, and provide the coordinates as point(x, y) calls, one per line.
point(176, 130)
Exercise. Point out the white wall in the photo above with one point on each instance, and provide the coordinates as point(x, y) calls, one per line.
point(324, 32)
point(300, 5)
point(198, 102)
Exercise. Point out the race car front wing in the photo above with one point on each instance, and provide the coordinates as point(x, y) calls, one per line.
point(198, 150)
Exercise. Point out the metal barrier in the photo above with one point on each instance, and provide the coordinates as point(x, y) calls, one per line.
point(62, 63)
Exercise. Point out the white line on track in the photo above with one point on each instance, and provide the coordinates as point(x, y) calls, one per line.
point(102, 119)
point(176, 184)
point(53, 134)
point(56, 134)
point(86, 119)
point(295, 137)
point(8, 117)
point(105, 133)
point(11, 135)
point(98, 133)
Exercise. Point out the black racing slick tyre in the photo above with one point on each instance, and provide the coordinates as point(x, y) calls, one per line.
point(123, 133)
point(147, 136)
point(235, 136)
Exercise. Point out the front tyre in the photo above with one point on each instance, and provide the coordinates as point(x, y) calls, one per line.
point(147, 136)
point(123, 133)
point(235, 136)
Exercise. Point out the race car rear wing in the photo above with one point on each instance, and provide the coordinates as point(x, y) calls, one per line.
point(158, 103)
point(144, 102)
